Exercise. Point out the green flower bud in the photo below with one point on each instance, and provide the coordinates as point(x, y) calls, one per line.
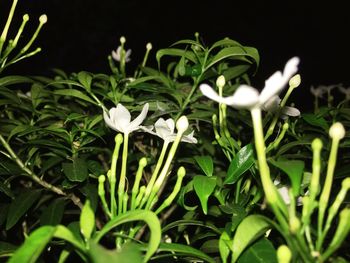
point(284, 255)
point(101, 179)
point(118, 138)
point(26, 17)
point(294, 224)
point(42, 19)
point(316, 144)
point(143, 162)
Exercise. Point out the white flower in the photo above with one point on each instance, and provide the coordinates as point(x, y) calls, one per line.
point(273, 104)
point(118, 118)
point(249, 97)
point(165, 129)
point(116, 54)
point(284, 192)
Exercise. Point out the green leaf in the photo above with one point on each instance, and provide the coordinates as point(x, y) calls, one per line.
point(76, 171)
point(243, 160)
point(6, 190)
point(238, 52)
point(37, 94)
point(128, 253)
point(261, 251)
point(294, 169)
point(52, 215)
point(204, 186)
point(6, 249)
point(315, 120)
point(184, 250)
point(85, 79)
point(10, 80)
point(33, 246)
point(206, 164)
point(223, 246)
point(249, 230)
point(137, 215)
point(74, 93)
point(87, 220)
point(20, 205)
point(66, 234)
point(176, 52)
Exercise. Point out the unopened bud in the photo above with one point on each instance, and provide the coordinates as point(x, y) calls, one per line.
point(42, 19)
point(101, 179)
point(149, 46)
point(316, 144)
point(295, 81)
point(337, 131)
point(284, 255)
point(220, 81)
point(181, 172)
point(346, 183)
point(143, 162)
point(122, 40)
point(26, 17)
point(182, 124)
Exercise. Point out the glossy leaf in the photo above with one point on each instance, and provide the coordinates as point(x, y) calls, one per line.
point(52, 215)
point(66, 234)
point(175, 52)
point(294, 169)
point(224, 247)
point(204, 186)
point(261, 251)
point(20, 205)
point(242, 161)
point(85, 79)
point(184, 250)
point(33, 246)
point(76, 171)
point(14, 79)
point(249, 230)
point(206, 164)
point(316, 120)
point(128, 253)
point(87, 220)
point(137, 215)
point(74, 93)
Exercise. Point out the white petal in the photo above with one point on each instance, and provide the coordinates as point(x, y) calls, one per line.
point(245, 97)
point(290, 111)
point(116, 53)
point(127, 55)
point(121, 118)
point(189, 138)
point(162, 128)
point(134, 125)
point(284, 194)
point(272, 104)
point(108, 120)
point(277, 81)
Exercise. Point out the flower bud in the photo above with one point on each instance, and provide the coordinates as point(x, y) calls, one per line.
point(143, 162)
point(42, 19)
point(25, 17)
point(337, 131)
point(101, 179)
point(220, 81)
point(182, 124)
point(119, 138)
point(181, 172)
point(284, 255)
point(295, 81)
point(122, 40)
point(149, 46)
point(316, 144)
point(346, 183)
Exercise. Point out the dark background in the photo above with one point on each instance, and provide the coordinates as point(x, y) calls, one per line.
point(80, 34)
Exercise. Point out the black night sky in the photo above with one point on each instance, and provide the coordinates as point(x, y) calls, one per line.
point(80, 34)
